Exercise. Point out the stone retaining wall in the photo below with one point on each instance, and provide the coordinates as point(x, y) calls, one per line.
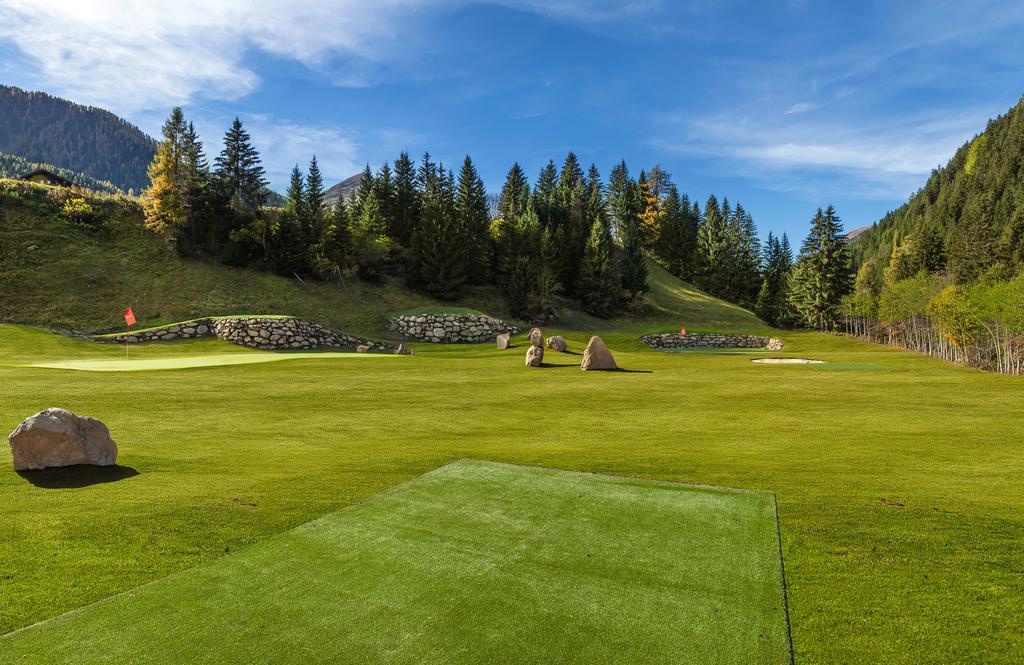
point(270, 333)
point(710, 341)
point(450, 328)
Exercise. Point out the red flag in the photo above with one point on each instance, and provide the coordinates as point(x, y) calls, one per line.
point(129, 317)
point(682, 331)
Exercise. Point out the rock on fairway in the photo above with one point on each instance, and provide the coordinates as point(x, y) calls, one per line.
point(534, 356)
point(597, 356)
point(503, 341)
point(557, 343)
point(537, 338)
point(56, 437)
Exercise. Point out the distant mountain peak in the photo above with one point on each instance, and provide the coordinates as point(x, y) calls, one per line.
point(345, 189)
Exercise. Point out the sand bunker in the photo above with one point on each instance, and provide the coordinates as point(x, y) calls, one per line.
point(788, 361)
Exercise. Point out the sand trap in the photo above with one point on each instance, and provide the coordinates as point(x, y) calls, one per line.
point(788, 361)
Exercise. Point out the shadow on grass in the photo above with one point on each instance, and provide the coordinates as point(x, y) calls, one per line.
point(77, 475)
point(620, 370)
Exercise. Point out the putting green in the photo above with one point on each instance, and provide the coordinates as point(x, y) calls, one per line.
point(186, 362)
point(473, 562)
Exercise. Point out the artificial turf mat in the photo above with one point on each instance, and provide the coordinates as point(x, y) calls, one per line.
point(187, 362)
point(473, 562)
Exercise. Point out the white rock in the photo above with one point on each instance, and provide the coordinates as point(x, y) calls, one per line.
point(56, 437)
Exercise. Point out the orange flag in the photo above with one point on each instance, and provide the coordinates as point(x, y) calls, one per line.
point(129, 317)
point(682, 331)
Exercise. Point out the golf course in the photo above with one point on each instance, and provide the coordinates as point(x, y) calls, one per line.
point(896, 481)
point(518, 333)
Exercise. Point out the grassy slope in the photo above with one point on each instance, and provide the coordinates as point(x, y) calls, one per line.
point(468, 564)
point(83, 279)
point(899, 491)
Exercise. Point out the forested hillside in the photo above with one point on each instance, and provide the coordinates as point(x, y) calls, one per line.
point(943, 273)
point(968, 218)
point(13, 166)
point(41, 128)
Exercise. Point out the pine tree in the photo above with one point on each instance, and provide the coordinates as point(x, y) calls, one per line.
point(404, 215)
point(473, 219)
point(974, 245)
point(291, 235)
point(198, 201)
point(438, 251)
point(166, 199)
point(673, 245)
point(634, 264)
point(623, 198)
point(332, 256)
point(384, 188)
point(239, 173)
point(928, 250)
point(598, 280)
point(316, 209)
point(366, 186)
point(712, 249)
point(822, 274)
point(515, 195)
point(520, 261)
point(545, 197)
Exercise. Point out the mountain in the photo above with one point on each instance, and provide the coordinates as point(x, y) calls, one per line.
point(12, 166)
point(967, 220)
point(854, 234)
point(96, 143)
point(345, 189)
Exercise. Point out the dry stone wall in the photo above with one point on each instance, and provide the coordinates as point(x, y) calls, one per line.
point(269, 333)
point(676, 340)
point(450, 328)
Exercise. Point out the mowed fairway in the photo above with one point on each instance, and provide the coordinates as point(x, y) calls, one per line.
point(188, 362)
point(474, 562)
point(901, 506)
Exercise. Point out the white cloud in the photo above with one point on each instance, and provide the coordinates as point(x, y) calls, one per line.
point(801, 107)
point(826, 157)
point(132, 56)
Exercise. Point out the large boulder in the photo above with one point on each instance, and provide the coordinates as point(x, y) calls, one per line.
point(534, 356)
point(557, 343)
point(504, 341)
point(597, 356)
point(536, 337)
point(56, 437)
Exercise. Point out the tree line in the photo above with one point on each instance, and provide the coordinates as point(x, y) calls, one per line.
point(569, 236)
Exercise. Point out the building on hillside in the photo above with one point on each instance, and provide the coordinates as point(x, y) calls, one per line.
point(44, 177)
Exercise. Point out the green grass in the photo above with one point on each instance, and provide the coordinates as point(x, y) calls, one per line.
point(122, 364)
point(120, 264)
point(472, 562)
point(899, 492)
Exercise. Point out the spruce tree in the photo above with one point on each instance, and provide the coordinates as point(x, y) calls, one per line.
point(198, 199)
point(438, 250)
point(384, 188)
point(515, 195)
point(712, 249)
point(598, 281)
point(545, 197)
point(822, 273)
point(239, 173)
point(404, 214)
point(473, 219)
point(634, 264)
point(316, 209)
point(365, 187)
point(623, 198)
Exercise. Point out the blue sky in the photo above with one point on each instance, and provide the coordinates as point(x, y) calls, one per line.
point(782, 106)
